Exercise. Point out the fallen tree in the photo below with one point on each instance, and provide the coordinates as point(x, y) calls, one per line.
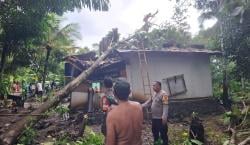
point(16, 129)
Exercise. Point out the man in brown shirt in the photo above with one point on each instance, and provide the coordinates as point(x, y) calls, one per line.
point(124, 122)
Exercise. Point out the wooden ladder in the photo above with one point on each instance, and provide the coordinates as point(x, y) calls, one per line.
point(145, 77)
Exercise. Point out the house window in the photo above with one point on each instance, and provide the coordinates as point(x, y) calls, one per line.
point(176, 85)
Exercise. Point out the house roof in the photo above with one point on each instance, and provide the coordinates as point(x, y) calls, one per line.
point(175, 50)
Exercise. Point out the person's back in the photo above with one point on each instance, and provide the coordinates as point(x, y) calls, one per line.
point(30, 88)
point(39, 87)
point(127, 119)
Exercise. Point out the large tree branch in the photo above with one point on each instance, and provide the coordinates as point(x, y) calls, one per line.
point(245, 142)
point(16, 129)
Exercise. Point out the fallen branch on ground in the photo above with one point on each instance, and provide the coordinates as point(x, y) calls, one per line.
point(16, 129)
point(245, 142)
point(22, 115)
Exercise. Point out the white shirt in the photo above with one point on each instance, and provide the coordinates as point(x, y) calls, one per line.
point(39, 87)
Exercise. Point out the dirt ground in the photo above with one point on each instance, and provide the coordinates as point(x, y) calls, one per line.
point(8, 117)
point(54, 126)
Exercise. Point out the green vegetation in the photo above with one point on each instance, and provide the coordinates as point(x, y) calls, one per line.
point(61, 109)
point(89, 138)
point(27, 29)
point(28, 136)
point(33, 45)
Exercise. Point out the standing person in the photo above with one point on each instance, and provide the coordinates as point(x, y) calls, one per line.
point(39, 89)
point(33, 88)
point(159, 107)
point(30, 88)
point(18, 87)
point(53, 85)
point(107, 101)
point(30, 91)
point(14, 87)
point(124, 122)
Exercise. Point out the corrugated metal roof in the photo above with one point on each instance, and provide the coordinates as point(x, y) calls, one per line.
point(175, 50)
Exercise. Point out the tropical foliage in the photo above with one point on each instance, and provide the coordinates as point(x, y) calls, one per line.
point(27, 28)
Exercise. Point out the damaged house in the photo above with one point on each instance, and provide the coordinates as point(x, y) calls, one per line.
point(184, 73)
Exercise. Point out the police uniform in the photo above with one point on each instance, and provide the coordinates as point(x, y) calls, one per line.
point(159, 107)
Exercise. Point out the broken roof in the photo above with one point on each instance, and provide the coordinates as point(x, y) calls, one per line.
point(175, 50)
point(85, 60)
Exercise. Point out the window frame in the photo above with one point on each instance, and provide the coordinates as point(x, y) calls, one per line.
point(181, 76)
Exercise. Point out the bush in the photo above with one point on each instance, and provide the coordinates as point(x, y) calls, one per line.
point(28, 136)
point(90, 138)
point(61, 109)
point(4, 86)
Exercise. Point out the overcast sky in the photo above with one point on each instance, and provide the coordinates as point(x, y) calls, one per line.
point(126, 15)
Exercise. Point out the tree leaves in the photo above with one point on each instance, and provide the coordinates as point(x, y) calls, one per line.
point(23, 20)
point(233, 17)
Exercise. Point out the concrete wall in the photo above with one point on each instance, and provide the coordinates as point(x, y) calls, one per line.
point(195, 67)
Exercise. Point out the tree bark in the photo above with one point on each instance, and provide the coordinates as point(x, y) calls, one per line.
point(225, 95)
point(245, 142)
point(13, 132)
point(48, 48)
point(3, 60)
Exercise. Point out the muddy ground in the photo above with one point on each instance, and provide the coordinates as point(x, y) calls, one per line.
point(53, 126)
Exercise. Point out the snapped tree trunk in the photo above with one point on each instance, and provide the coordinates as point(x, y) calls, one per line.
point(16, 129)
point(48, 48)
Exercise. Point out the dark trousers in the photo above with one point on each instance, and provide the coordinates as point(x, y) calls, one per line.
point(40, 93)
point(159, 129)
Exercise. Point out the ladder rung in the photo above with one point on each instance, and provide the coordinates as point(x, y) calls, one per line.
point(146, 80)
point(147, 85)
point(144, 73)
point(142, 58)
point(141, 52)
point(143, 61)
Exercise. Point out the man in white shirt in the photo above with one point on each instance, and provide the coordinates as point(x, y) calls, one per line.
point(39, 89)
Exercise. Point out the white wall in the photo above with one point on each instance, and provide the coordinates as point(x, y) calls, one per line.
point(195, 67)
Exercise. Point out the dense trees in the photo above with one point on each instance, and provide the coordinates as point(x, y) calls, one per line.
point(233, 30)
point(23, 24)
point(57, 38)
point(26, 28)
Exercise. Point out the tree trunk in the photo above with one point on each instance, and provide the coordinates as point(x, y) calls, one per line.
point(13, 132)
point(225, 96)
point(242, 83)
point(245, 142)
point(48, 48)
point(3, 60)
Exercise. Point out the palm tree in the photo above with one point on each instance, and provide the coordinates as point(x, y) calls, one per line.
point(233, 28)
point(20, 20)
point(58, 38)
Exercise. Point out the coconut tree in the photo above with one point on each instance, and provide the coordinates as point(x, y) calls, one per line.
point(57, 38)
point(20, 21)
